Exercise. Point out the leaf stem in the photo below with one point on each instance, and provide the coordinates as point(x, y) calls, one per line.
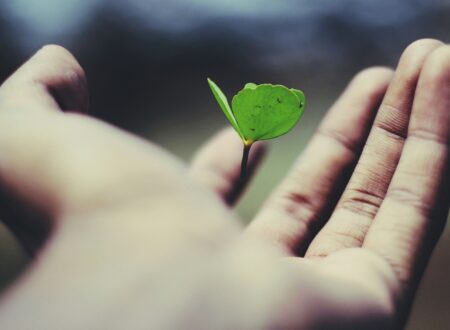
point(245, 154)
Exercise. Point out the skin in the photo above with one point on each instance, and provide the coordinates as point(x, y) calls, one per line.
point(128, 237)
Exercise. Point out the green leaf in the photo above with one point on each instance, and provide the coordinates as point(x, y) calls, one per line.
point(267, 111)
point(223, 103)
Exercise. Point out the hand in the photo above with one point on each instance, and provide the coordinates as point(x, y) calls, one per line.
point(132, 239)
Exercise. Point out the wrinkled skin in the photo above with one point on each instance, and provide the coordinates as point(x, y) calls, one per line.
point(128, 237)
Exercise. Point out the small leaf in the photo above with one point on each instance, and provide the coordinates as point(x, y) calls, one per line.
point(267, 111)
point(223, 103)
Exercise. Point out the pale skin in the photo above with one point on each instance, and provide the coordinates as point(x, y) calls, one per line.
point(129, 237)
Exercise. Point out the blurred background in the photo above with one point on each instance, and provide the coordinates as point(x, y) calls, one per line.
point(147, 63)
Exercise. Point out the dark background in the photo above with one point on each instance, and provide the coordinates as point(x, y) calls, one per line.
point(147, 63)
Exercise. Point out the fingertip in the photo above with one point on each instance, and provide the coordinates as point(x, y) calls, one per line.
point(437, 66)
point(52, 77)
point(374, 74)
point(67, 81)
point(413, 57)
point(431, 115)
point(217, 164)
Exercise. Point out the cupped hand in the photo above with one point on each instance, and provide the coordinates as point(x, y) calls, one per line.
point(128, 237)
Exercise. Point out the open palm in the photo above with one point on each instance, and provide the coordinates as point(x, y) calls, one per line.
point(129, 238)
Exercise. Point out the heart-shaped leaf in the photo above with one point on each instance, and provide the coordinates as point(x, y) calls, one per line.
point(267, 111)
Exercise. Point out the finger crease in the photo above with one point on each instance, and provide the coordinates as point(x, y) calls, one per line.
point(426, 135)
point(390, 132)
point(301, 208)
point(362, 202)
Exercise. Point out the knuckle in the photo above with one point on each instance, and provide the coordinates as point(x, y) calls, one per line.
point(361, 201)
point(391, 130)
